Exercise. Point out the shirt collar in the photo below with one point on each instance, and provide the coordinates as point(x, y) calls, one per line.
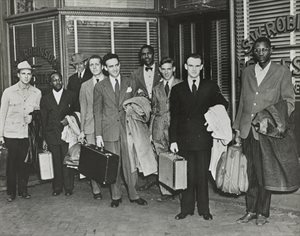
point(59, 92)
point(257, 67)
point(170, 81)
point(112, 79)
point(152, 66)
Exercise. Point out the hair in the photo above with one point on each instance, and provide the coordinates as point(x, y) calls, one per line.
point(193, 55)
point(167, 60)
point(55, 73)
point(109, 56)
point(95, 57)
point(146, 46)
point(263, 40)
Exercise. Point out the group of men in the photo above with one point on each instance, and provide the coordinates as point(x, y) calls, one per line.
point(177, 122)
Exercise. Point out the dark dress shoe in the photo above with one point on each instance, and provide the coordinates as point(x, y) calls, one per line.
point(261, 220)
point(247, 217)
point(10, 198)
point(181, 215)
point(56, 193)
point(68, 193)
point(97, 196)
point(139, 201)
point(26, 196)
point(207, 216)
point(115, 203)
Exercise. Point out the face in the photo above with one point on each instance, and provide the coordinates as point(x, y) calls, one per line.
point(193, 67)
point(25, 76)
point(113, 67)
point(95, 66)
point(147, 57)
point(56, 82)
point(80, 66)
point(262, 53)
point(167, 71)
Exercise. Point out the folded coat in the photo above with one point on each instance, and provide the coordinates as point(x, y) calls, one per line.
point(281, 170)
point(140, 149)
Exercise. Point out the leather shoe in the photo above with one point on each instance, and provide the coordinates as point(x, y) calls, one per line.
point(207, 216)
point(68, 193)
point(97, 196)
point(115, 203)
point(139, 201)
point(55, 193)
point(261, 220)
point(247, 217)
point(10, 198)
point(26, 196)
point(181, 215)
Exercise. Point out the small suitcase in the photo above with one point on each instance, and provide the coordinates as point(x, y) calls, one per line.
point(46, 165)
point(98, 164)
point(172, 171)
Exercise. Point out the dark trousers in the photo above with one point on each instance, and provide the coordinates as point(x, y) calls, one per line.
point(16, 167)
point(197, 182)
point(63, 176)
point(258, 199)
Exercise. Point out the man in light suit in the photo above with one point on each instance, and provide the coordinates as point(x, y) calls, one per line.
point(86, 110)
point(54, 108)
point(189, 101)
point(110, 128)
point(160, 118)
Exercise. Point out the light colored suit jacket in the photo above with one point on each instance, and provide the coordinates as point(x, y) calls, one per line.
point(110, 115)
point(276, 85)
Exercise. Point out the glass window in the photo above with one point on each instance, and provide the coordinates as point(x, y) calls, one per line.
point(142, 4)
point(21, 6)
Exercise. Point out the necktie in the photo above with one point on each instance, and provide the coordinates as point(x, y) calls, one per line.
point(194, 87)
point(148, 68)
point(97, 80)
point(117, 91)
point(167, 89)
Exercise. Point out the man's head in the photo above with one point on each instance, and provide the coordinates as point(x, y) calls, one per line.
point(112, 64)
point(262, 51)
point(193, 65)
point(24, 72)
point(79, 61)
point(55, 80)
point(147, 55)
point(95, 65)
point(167, 68)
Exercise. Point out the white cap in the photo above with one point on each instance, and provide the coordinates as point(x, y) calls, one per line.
point(24, 65)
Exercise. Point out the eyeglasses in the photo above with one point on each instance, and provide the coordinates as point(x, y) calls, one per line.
point(261, 50)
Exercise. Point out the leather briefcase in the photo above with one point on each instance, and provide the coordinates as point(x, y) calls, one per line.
point(46, 165)
point(98, 164)
point(172, 171)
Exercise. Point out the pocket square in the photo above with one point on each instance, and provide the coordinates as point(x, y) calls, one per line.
point(129, 90)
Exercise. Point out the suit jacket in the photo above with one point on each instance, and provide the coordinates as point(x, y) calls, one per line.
point(86, 97)
point(160, 118)
point(74, 84)
point(110, 115)
point(138, 77)
point(187, 114)
point(52, 113)
point(276, 85)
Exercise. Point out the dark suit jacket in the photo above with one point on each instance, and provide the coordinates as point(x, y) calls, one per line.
point(138, 77)
point(52, 114)
point(187, 114)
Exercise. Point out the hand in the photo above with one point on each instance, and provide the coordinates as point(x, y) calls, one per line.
point(81, 137)
point(174, 147)
point(64, 122)
point(2, 140)
point(28, 119)
point(45, 146)
point(99, 141)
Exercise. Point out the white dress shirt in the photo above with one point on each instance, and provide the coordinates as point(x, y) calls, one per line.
point(149, 78)
point(260, 73)
point(57, 95)
point(197, 82)
point(113, 81)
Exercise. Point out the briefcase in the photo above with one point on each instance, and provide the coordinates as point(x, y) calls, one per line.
point(46, 165)
point(172, 171)
point(3, 160)
point(98, 164)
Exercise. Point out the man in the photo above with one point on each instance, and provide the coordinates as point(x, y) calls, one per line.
point(263, 84)
point(189, 101)
point(82, 74)
point(147, 75)
point(160, 118)
point(86, 110)
point(54, 108)
point(110, 129)
point(17, 102)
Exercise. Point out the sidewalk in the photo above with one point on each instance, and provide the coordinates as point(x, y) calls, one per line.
point(81, 215)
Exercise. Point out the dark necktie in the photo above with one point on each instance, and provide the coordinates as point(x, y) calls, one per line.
point(167, 89)
point(148, 68)
point(194, 87)
point(117, 91)
point(97, 80)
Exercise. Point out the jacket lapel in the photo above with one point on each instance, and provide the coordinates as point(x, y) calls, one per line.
point(109, 89)
point(124, 86)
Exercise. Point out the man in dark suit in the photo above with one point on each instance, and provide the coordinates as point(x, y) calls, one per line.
point(189, 102)
point(83, 73)
point(54, 108)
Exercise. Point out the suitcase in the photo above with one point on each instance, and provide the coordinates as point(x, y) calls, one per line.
point(3, 160)
point(46, 165)
point(172, 171)
point(98, 164)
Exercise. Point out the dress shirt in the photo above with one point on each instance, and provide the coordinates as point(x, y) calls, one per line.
point(149, 78)
point(170, 82)
point(113, 81)
point(80, 75)
point(260, 73)
point(57, 95)
point(99, 79)
point(197, 82)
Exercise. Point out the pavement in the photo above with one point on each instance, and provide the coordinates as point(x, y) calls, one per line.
point(81, 215)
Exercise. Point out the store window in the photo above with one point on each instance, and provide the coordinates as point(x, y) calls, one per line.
point(21, 6)
point(141, 4)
